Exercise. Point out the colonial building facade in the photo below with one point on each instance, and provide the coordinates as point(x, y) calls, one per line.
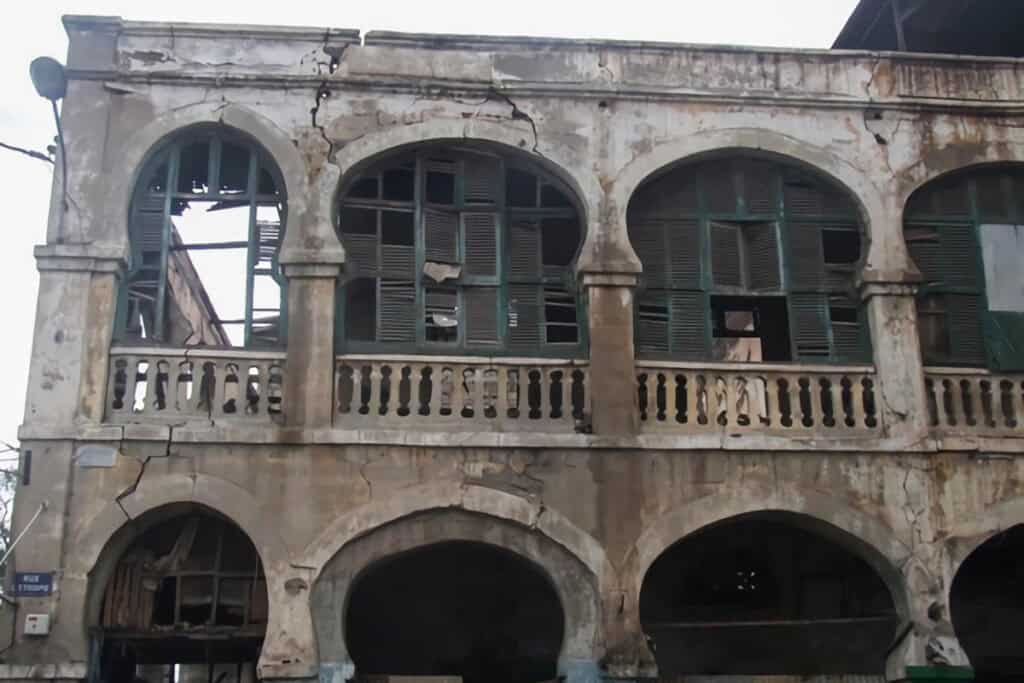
point(519, 359)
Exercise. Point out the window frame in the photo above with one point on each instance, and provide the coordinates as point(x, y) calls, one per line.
point(503, 281)
point(169, 154)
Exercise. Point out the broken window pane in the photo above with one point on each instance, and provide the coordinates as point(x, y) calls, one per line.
point(560, 323)
point(399, 183)
point(234, 169)
point(520, 188)
point(361, 309)
point(441, 315)
point(931, 323)
point(397, 228)
point(840, 246)
point(194, 168)
point(560, 238)
point(365, 188)
point(440, 183)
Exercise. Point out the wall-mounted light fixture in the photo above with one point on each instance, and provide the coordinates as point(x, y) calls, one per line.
point(51, 82)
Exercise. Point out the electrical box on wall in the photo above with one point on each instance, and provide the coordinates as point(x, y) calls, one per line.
point(37, 624)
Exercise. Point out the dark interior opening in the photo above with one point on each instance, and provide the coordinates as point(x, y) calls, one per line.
point(458, 609)
point(987, 607)
point(758, 595)
point(361, 309)
point(750, 328)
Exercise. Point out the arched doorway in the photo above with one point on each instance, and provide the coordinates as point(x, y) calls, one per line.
point(987, 607)
point(457, 609)
point(185, 601)
point(766, 594)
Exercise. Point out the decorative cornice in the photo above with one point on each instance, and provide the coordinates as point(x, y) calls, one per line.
point(89, 258)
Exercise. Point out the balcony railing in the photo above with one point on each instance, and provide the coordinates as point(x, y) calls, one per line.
point(195, 384)
point(499, 394)
point(773, 399)
point(975, 402)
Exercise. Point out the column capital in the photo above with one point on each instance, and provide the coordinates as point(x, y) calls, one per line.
point(603, 279)
point(311, 270)
point(80, 258)
point(872, 282)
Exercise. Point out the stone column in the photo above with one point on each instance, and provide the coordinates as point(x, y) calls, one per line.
point(612, 359)
point(892, 313)
point(309, 372)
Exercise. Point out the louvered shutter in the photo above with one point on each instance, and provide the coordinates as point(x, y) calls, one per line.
point(759, 188)
point(763, 256)
point(725, 255)
point(719, 189)
point(809, 322)
point(361, 253)
point(524, 249)
point(967, 345)
point(481, 179)
point(524, 318)
point(441, 235)
point(481, 314)
point(683, 253)
point(802, 198)
point(652, 316)
point(806, 260)
point(148, 225)
point(648, 239)
point(688, 329)
point(925, 251)
point(398, 261)
point(397, 311)
point(960, 257)
point(480, 237)
point(848, 341)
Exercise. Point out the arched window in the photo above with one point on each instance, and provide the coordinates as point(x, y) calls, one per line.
point(459, 250)
point(207, 219)
point(965, 233)
point(747, 259)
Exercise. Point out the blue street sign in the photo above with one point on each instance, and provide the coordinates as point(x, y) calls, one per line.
point(33, 584)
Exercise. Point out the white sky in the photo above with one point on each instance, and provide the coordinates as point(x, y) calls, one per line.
point(33, 28)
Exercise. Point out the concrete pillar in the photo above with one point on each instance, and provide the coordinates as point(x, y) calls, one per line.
point(612, 359)
point(900, 395)
point(309, 372)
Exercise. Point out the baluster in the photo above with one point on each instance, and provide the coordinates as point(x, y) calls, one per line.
point(138, 384)
point(501, 402)
point(974, 414)
point(584, 392)
point(771, 415)
point(817, 409)
point(857, 402)
point(544, 382)
point(796, 409)
point(375, 379)
point(838, 410)
point(733, 392)
point(415, 380)
point(476, 391)
point(717, 389)
point(643, 394)
point(961, 407)
point(436, 377)
point(119, 365)
point(671, 409)
point(693, 407)
point(1017, 401)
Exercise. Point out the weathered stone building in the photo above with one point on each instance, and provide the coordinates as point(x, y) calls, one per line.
point(517, 359)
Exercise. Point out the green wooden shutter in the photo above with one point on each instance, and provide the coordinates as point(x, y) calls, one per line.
point(648, 238)
point(759, 187)
point(964, 313)
point(361, 253)
point(397, 312)
point(960, 257)
point(726, 266)
point(481, 179)
point(925, 247)
point(441, 235)
point(689, 325)
point(683, 253)
point(806, 259)
point(763, 256)
point(652, 323)
point(809, 325)
point(398, 261)
point(524, 318)
point(480, 247)
point(481, 315)
point(524, 249)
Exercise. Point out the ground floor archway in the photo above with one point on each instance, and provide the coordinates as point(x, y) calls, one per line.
point(987, 607)
point(184, 600)
point(764, 594)
point(456, 608)
point(450, 592)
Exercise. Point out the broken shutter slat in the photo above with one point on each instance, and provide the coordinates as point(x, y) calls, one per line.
point(809, 320)
point(964, 314)
point(763, 256)
point(441, 235)
point(482, 179)
point(684, 253)
point(397, 311)
point(726, 266)
point(806, 258)
point(524, 317)
point(524, 249)
point(688, 328)
point(481, 315)
point(481, 243)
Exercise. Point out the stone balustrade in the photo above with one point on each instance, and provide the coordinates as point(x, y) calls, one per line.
point(975, 402)
point(194, 383)
point(737, 397)
point(499, 394)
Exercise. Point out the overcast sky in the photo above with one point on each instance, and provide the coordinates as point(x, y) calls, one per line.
point(33, 28)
